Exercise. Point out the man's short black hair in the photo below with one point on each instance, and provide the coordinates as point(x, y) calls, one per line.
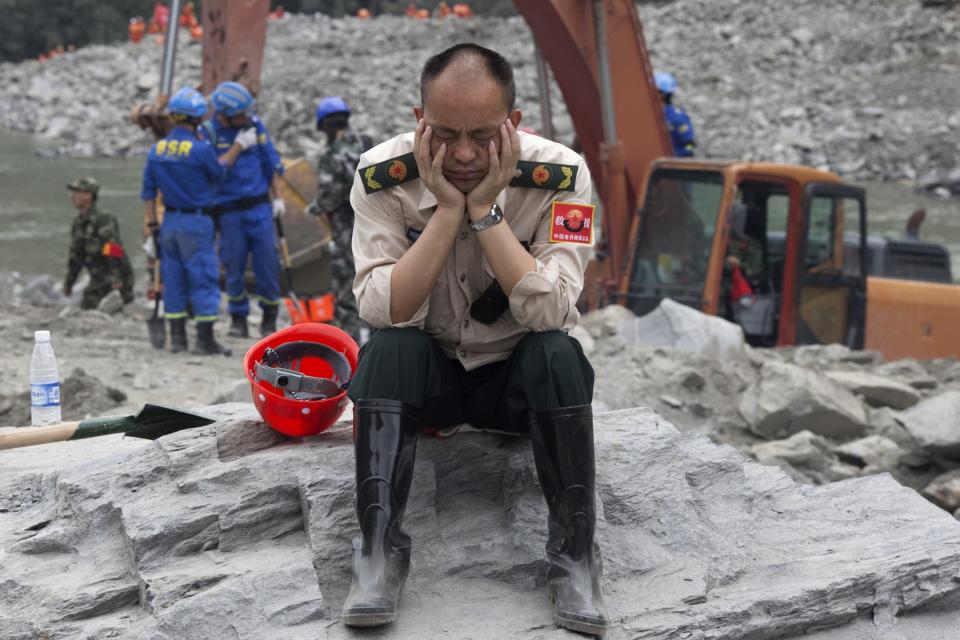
point(497, 66)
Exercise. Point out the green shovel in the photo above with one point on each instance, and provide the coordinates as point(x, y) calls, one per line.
point(152, 421)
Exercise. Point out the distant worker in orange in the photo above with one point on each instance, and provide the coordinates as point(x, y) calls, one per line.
point(462, 10)
point(363, 13)
point(423, 14)
point(411, 10)
point(443, 9)
point(278, 13)
point(136, 29)
point(188, 18)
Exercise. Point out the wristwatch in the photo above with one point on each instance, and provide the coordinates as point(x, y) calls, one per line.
point(494, 217)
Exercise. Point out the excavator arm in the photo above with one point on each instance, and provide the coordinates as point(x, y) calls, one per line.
point(598, 56)
point(234, 40)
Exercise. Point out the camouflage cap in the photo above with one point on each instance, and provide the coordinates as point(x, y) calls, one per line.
point(85, 183)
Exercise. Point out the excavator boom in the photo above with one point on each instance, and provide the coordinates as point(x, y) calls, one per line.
point(575, 36)
point(234, 39)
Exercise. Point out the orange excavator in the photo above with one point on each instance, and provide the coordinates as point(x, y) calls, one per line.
point(670, 225)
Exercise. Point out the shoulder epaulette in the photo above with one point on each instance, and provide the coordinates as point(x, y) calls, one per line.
point(389, 173)
point(546, 175)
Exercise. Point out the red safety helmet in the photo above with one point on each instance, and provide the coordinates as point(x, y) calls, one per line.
point(298, 377)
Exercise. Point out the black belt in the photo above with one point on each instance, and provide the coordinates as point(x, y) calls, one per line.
point(241, 204)
point(185, 211)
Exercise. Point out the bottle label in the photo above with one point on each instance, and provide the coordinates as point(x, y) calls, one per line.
point(45, 395)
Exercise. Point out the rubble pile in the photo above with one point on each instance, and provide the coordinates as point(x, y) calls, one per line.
point(762, 81)
point(822, 413)
point(801, 82)
point(231, 530)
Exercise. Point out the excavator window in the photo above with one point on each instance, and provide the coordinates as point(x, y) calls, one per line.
point(830, 299)
point(677, 227)
point(820, 235)
point(759, 247)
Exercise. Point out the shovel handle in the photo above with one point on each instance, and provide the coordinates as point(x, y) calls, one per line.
point(285, 258)
point(38, 435)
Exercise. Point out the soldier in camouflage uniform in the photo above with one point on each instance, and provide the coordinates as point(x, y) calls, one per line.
point(95, 244)
point(335, 172)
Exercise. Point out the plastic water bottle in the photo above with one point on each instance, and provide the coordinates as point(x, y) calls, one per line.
point(44, 382)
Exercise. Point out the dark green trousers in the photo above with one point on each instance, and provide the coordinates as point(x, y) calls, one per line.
point(546, 371)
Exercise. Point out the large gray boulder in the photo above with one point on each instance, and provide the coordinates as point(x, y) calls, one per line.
point(805, 456)
point(677, 326)
point(945, 490)
point(232, 531)
point(877, 391)
point(935, 424)
point(787, 399)
point(874, 453)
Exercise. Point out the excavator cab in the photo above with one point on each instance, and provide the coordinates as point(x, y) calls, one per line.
point(797, 236)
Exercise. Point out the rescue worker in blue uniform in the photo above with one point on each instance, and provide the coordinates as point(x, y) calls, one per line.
point(243, 207)
point(186, 171)
point(678, 122)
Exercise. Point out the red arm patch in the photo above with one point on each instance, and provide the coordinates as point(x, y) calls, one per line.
point(113, 250)
point(571, 222)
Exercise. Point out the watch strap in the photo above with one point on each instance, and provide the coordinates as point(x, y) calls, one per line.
point(494, 217)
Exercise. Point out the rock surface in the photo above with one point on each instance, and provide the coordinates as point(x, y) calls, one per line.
point(762, 81)
point(806, 453)
point(876, 451)
point(935, 423)
point(787, 399)
point(877, 391)
point(945, 490)
point(231, 530)
point(681, 328)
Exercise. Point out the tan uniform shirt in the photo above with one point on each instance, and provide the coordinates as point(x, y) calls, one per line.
point(388, 221)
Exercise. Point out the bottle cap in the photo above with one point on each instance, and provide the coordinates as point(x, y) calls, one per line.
point(41, 336)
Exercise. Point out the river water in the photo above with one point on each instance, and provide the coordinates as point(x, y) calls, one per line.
point(35, 211)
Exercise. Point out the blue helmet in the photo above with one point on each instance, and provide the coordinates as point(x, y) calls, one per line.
point(187, 102)
point(665, 81)
point(330, 105)
point(232, 99)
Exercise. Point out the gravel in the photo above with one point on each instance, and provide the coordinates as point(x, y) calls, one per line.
point(861, 88)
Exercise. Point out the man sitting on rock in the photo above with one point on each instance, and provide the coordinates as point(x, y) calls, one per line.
point(95, 246)
point(470, 242)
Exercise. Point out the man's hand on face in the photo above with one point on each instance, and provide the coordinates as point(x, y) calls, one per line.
point(431, 170)
point(503, 168)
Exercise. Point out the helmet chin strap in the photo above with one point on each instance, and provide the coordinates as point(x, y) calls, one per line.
point(280, 368)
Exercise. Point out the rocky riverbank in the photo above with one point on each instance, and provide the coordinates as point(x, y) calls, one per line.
point(822, 413)
point(862, 88)
point(234, 529)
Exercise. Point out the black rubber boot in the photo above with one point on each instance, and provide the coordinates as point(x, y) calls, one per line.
point(206, 344)
point(268, 324)
point(563, 450)
point(385, 444)
point(238, 326)
point(178, 335)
